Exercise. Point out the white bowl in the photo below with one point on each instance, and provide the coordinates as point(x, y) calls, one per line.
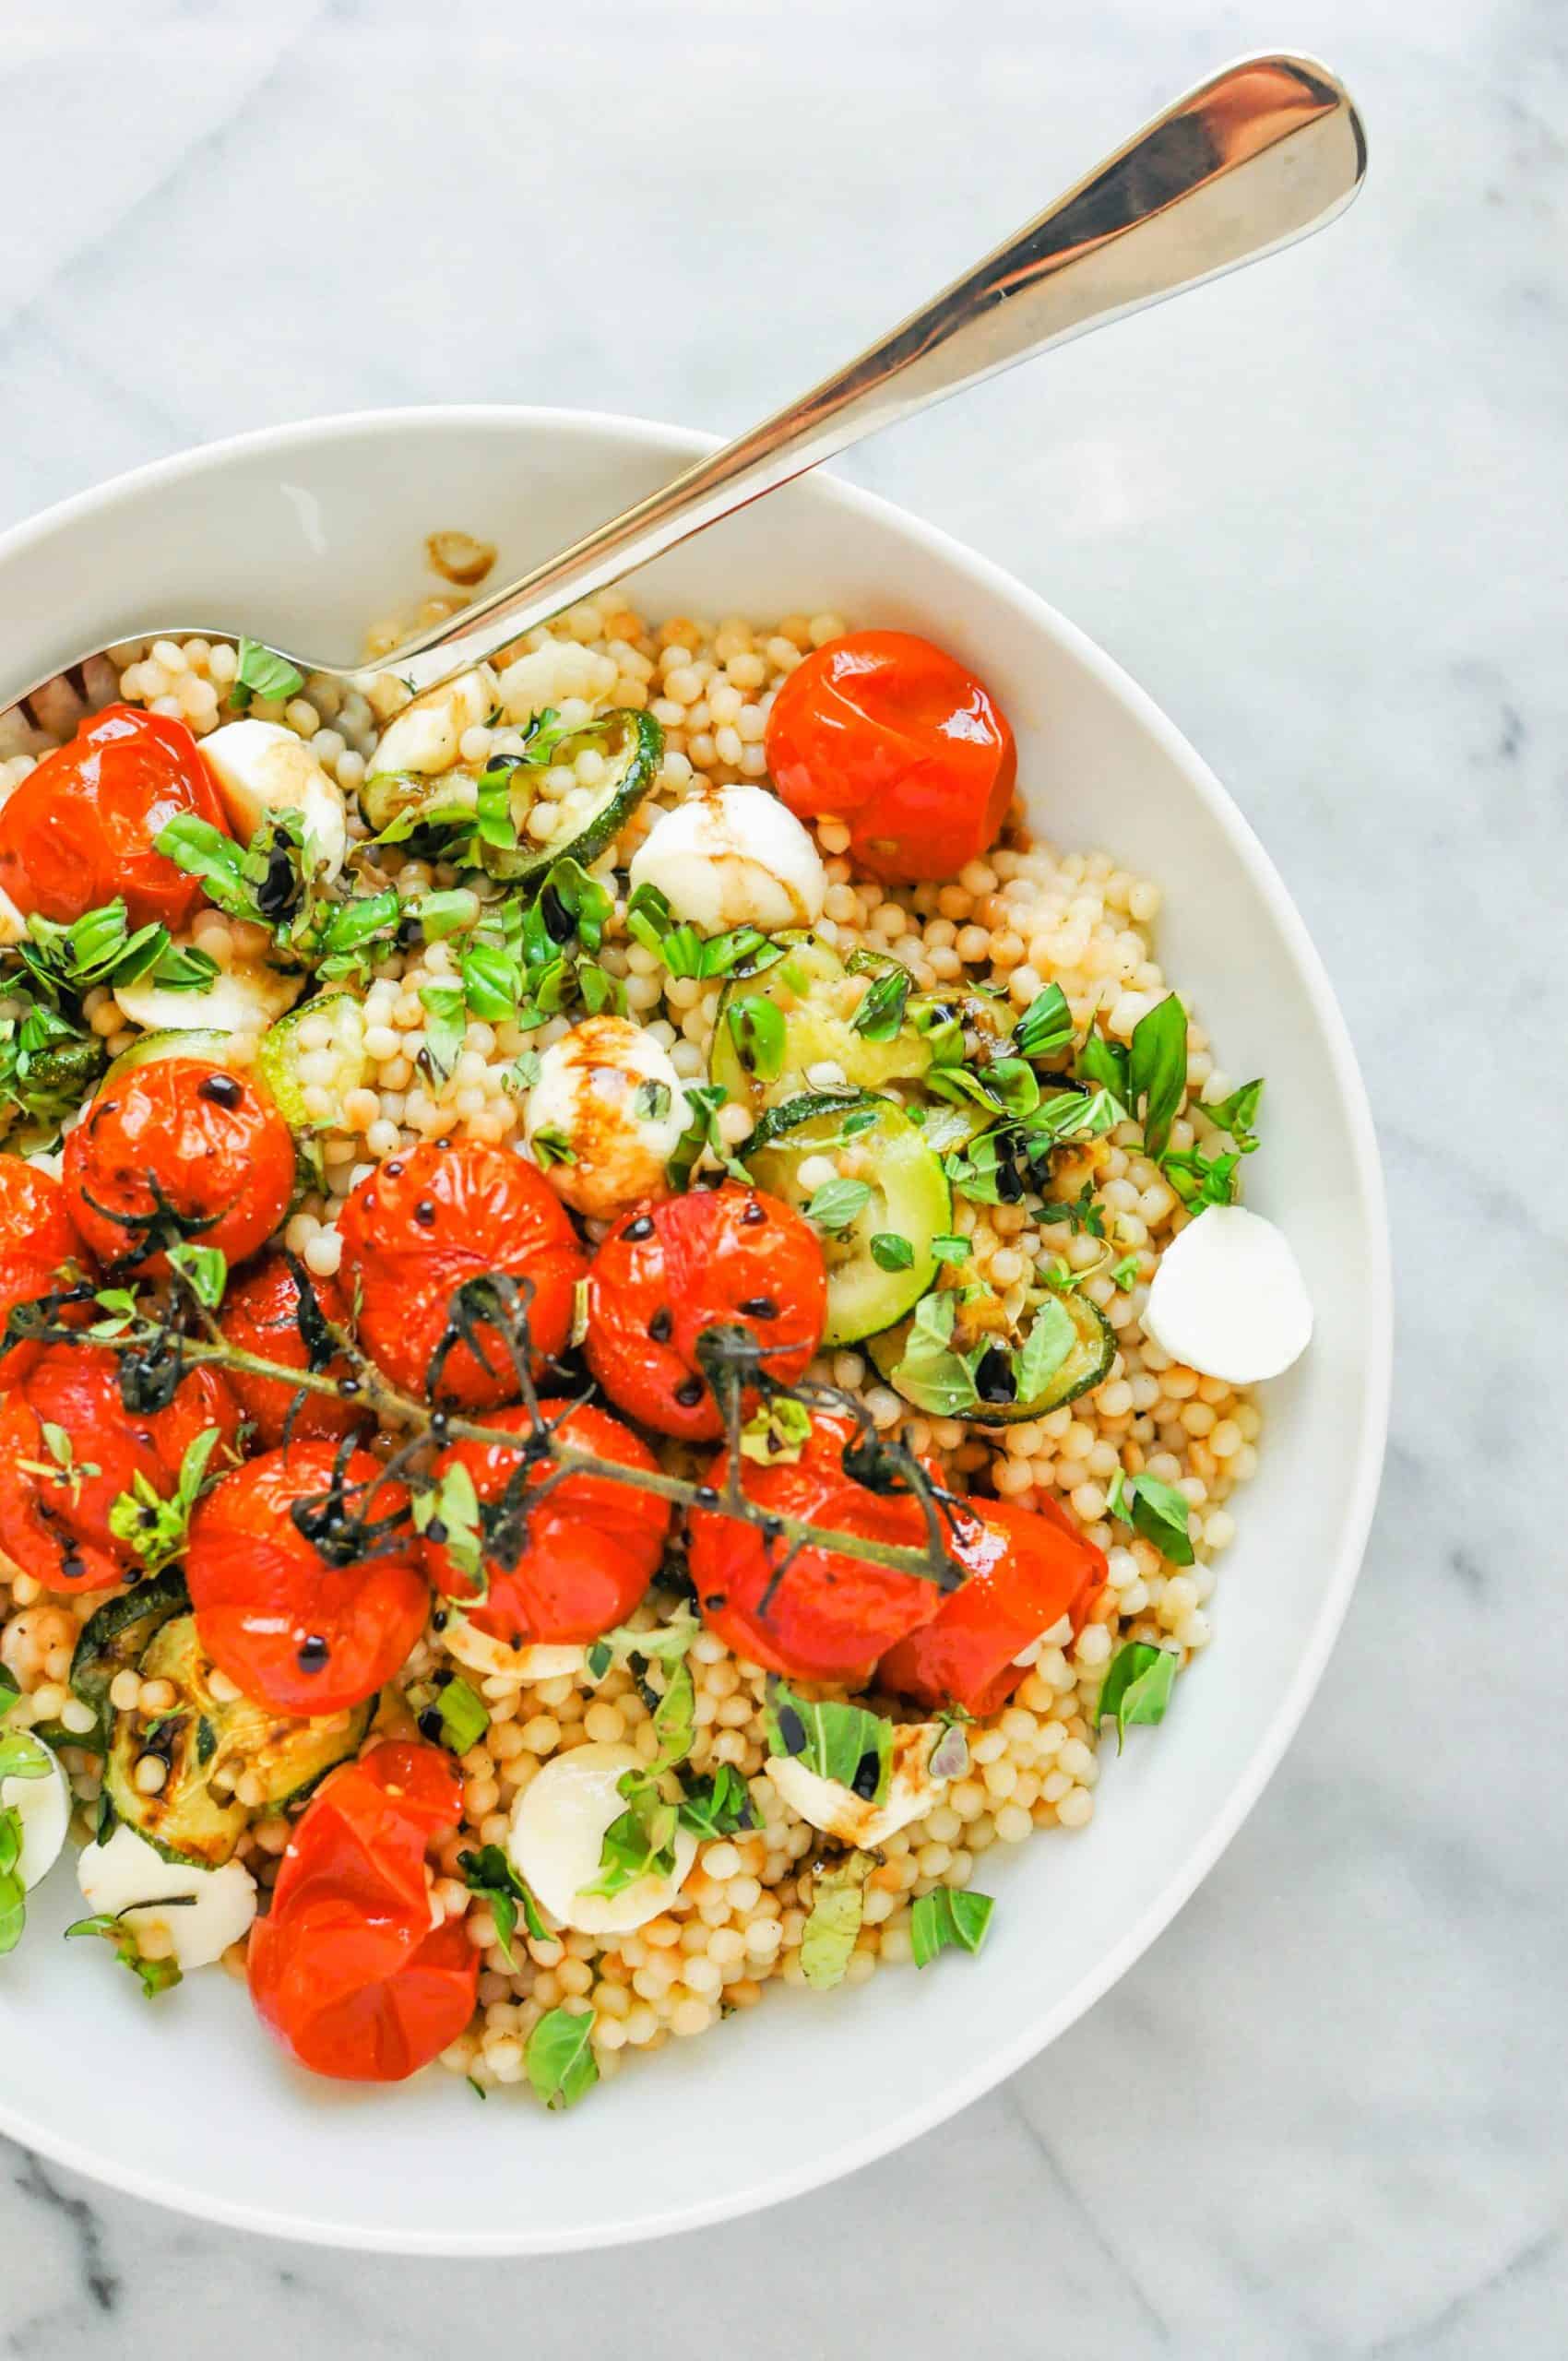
point(304, 534)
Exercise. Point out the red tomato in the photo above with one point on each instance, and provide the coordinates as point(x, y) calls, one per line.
point(37, 1235)
point(1026, 1571)
point(422, 1226)
point(591, 1548)
point(54, 1519)
point(306, 1626)
point(675, 1266)
point(832, 1615)
point(886, 733)
point(262, 1315)
point(80, 828)
point(205, 1140)
point(345, 1970)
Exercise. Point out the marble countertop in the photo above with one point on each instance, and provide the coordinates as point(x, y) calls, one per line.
point(1319, 512)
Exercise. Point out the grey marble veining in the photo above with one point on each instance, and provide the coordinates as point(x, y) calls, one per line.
point(1319, 512)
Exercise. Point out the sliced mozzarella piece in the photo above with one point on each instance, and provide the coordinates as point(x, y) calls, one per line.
point(426, 735)
point(557, 1838)
point(259, 767)
point(13, 926)
point(245, 998)
point(734, 856)
point(495, 1660)
point(838, 1811)
point(44, 1807)
point(609, 1092)
point(1229, 1298)
point(126, 1872)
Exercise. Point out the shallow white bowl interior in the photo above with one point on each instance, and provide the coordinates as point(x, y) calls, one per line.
point(306, 535)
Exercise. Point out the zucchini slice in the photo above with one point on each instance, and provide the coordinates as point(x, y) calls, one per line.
point(207, 1745)
point(816, 996)
point(910, 1199)
point(394, 803)
point(588, 818)
point(192, 1041)
point(117, 1635)
point(330, 1029)
point(1086, 1365)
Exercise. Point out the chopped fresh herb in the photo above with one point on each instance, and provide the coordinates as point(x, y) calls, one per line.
point(1156, 1070)
point(155, 1975)
point(836, 1741)
point(861, 1119)
point(838, 1203)
point(757, 1028)
point(1154, 1509)
point(1051, 1338)
point(718, 1806)
point(453, 1504)
point(523, 1072)
point(445, 1024)
point(1105, 1064)
point(493, 824)
point(640, 1842)
point(463, 1715)
point(444, 910)
point(703, 1102)
point(224, 867)
point(476, 2086)
point(950, 1250)
point(204, 1268)
point(153, 1527)
point(490, 1872)
point(930, 1371)
point(551, 1145)
point(1137, 1686)
point(948, 1918)
point(1045, 1028)
point(776, 1432)
point(560, 2059)
point(891, 1252)
point(651, 1101)
point(1125, 1272)
point(744, 950)
point(881, 1013)
point(48, 1065)
point(1237, 1114)
point(667, 1643)
point(1200, 1180)
point(827, 1940)
point(263, 674)
point(492, 982)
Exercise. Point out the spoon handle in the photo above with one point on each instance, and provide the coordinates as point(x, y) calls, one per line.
point(1259, 156)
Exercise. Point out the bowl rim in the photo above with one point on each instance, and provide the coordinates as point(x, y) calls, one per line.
point(944, 2099)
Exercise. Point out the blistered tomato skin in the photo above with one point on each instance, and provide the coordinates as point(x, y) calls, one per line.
point(580, 1562)
point(673, 1266)
point(38, 1238)
point(80, 828)
point(179, 1148)
point(830, 1616)
point(1025, 1569)
point(305, 1621)
point(887, 733)
point(264, 1313)
point(346, 1971)
point(426, 1224)
point(55, 1516)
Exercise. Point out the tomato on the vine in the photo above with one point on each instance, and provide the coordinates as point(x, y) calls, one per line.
point(304, 1576)
point(37, 1238)
point(267, 1312)
point(828, 1616)
point(69, 1448)
point(179, 1150)
point(428, 1224)
point(673, 1266)
point(81, 827)
point(579, 1562)
point(346, 1970)
point(896, 739)
point(1027, 1568)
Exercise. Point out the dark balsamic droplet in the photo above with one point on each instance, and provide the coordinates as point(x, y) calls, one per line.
point(222, 1089)
point(759, 1307)
point(639, 1230)
point(393, 1170)
point(430, 1725)
point(753, 1211)
point(424, 1213)
point(868, 1772)
point(707, 1496)
point(994, 1378)
point(689, 1392)
point(312, 1654)
point(1009, 1183)
point(714, 1601)
point(661, 1327)
point(792, 1730)
point(435, 1531)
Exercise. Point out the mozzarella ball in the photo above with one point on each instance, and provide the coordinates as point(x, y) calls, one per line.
point(44, 1807)
point(557, 1837)
point(734, 856)
point(425, 736)
point(607, 1091)
point(1229, 1298)
point(259, 766)
point(120, 1877)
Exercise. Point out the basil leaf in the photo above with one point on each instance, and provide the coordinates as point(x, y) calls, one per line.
point(948, 1918)
point(551, 1145)
point(950, 1250)
point(1051, 1338)
point(1046, 1027)
point(841, 1742)
point(881, 1013)
point(665, 1644)
point(560, 2059)
point(639, 1844)
point(1073, 1114)
point(930, 1372)
point(891, 1252)
point(451, 1505)
point(1161, 1514)
point(827, 1940)
point(493, 824)
point(490, 1872)
point(1105, 1062)
point(493, 982)
point(205, 1268)
point(674, 1720)
point(744, 950)
point(463, 1714)
point(155, 1975)
point(776, 1432)
point(446, 1026)
point(263, 674)
point(1125, 1273)
point(1137, 1686)
point(1011, 1085)
point(204, 851)
point(838, 1203)
point(718, 1806)
point(757, 1028)
point(444, 910)
point(13, 1894)
point(1200, 1180)
point(1158, 1070)
point(1237, 1114)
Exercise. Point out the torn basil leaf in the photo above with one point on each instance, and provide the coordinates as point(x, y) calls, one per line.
point(1051, 1338)
point(837, 1741)
point(757, 1028)
point(948, 1918)
point(1137, 1686)
point(1046, 1027)
point(263, 674)
point(720, 1805)
point(881, 1011)
point(560, 2060)
point(490, 1872)
point(827, 1940)
point(930, 1373)
point(1156, 1070)
point(667, 1643)
point(205, 1268)
point(1237, 1114)
point(838, 1203)
point(640, 1842)
point(891, 1252)
point(1105, 1064)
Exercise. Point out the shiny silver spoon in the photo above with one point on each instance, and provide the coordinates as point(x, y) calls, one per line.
point(1261, 154)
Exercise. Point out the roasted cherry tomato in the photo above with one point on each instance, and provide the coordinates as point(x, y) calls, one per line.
point(579, 1562)
point(346, 1970)
point(312, 1612)
point(426, 1224)
point(266, 1313)
point(179, 1150)
point(80, 828)
point(675, 1266)
point(830, 1616)
point(1026, 1571)
point(36, 1236)
point(68, 1449)
point(885, 732)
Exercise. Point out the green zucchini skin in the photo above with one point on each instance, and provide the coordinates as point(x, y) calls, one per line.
point(910, 1197)
point(115, 1638)
point(201, 1041)
point(278, 1058)
point(1086, 1366)
point(635, 767)
point(806, 987)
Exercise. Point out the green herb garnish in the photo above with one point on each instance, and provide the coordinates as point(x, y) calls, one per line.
point(156, 1528)
point(838, 1203)
point(757, 1028)
point(1154, 1509)
point(881, 1013)
point(490, 1873)
point(263, 674)
point(560, 2060)
point(948, 1918)
point(841, 1742)
point(1045, 1028)
point(891, 1252)
point(1137, 1686)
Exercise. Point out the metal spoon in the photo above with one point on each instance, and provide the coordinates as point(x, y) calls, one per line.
point(1261, 154)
